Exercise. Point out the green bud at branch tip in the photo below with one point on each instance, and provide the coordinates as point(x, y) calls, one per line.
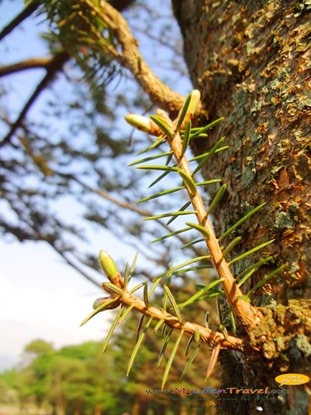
point(142, 123)
point(194, 102)
point(108, 265)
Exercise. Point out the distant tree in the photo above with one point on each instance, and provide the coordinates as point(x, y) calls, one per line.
point(38, 347)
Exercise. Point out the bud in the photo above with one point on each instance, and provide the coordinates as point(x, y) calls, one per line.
point(142, 123)
point(194, 102)
point(110, 269)
point(108, 265)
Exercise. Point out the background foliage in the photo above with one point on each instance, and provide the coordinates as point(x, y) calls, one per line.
point(65, 147)
point(65, 151)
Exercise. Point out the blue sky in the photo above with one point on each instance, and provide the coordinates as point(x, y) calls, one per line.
point(40, 296)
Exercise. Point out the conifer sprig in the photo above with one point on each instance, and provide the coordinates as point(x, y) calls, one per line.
point(177, 134)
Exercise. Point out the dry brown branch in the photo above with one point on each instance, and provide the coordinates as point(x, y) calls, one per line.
point(33, 63)
point(56, 64)
point(19, 18)
point(130, 58)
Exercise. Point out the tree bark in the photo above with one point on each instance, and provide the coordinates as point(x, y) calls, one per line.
point(251, 62)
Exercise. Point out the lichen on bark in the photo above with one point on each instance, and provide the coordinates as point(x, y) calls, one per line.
point(251, 61)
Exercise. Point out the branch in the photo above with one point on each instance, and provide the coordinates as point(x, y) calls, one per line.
point(44, 62)
point(121, 5)
point(206, 335)
point(73, 265)
point(130, 58)
point(56, 65)
point(19, 18)
point(120, 295)
point(246, 313)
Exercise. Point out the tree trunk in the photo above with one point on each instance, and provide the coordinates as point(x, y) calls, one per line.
point(251, 62)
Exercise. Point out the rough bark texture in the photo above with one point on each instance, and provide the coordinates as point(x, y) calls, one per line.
point(251, 61)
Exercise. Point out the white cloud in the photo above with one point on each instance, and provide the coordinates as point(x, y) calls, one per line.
point(28, 312)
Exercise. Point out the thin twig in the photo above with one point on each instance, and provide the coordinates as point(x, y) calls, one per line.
point(55, 66)
point(28, 10)
point(33, 63)
point(73, 265)
point(130, 58)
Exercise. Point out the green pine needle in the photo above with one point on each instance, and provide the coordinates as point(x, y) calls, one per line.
point(245, 298)
point(158, 325)
point(158, 179)
point(173, 214)
point(200, 294)
point(189, 244)
point(251, 251)
point(140, 324)
point(189, 342)
point(112, 287)
point(112, 328)
point(154, 145)
point(207, 182)
point(266, 279)
point(201, 130)
point(157, 167)
point(126, 312)
point(137, 287)
point(146, 298)
point(129, 271)
point(199, 228)
point(170, 360)
point(170, 296)
point(186, 138)
point(183, 208)
point(156, 282)
point(191, 269)
point(248, 272)
point(169, 235)
point(201, 156)
point(137, 346)
point(191, 360)
point(217, 199)
point(163, 125)
point(100, 308)
point(171, 271)
point(188, 181)
point(232, 321)
point(160, 194)
point(242, 220)
point(146, 159)
point(231, 246)
point(183, 112)
point(208, 155)
point(166, 339)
